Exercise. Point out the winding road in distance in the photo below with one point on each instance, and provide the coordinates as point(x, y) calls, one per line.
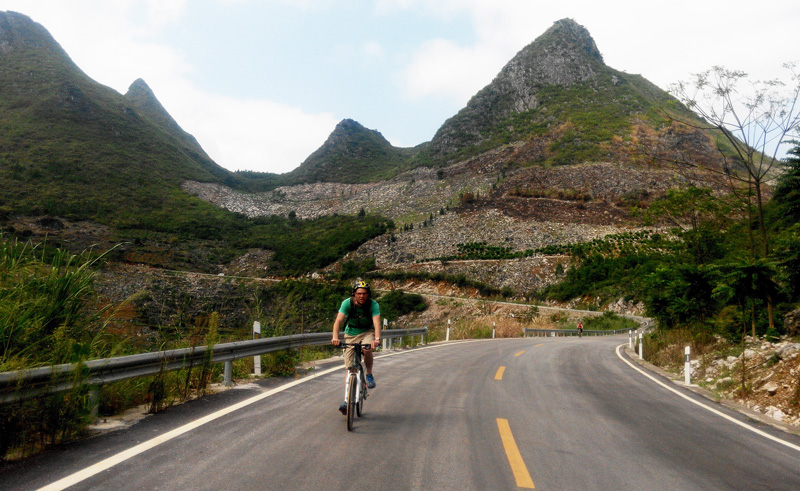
point(543, 413)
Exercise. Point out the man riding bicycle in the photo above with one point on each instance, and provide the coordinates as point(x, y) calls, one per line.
point(361, 316)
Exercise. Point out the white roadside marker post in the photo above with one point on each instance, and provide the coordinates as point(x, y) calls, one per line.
point(687, 367)
point(383, 339)
point(641, 347)
point(493, 329)
point(257, 358)
point(447, 337)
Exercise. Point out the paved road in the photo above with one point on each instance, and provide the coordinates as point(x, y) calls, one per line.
point(554, 413)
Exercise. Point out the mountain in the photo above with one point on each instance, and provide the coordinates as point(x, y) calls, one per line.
point(556, 103)
point(550, 151)
point(353, 154)
point(74, 148)
point(558, 92)
point(559, 148)
point(142, 98)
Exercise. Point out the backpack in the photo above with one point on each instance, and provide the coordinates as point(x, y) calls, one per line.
point(362, 313)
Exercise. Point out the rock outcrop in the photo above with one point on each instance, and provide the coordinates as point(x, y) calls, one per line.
point(563, 56)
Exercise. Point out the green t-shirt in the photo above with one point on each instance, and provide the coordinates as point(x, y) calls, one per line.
point(359, 319)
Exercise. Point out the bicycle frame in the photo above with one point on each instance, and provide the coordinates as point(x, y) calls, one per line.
point(356, 383)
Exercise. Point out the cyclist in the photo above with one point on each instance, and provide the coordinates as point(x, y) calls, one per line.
point(580, 329)
point(361, 316)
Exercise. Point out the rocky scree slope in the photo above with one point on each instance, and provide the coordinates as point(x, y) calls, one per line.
point(772, 368)
point(522, 209)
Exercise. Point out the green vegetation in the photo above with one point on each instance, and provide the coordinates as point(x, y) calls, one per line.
point(643, 241)
point(202, 241)
point(43, 318)
point(609, 321)
point(705, 277)
point(304, 245)
point(397, 303)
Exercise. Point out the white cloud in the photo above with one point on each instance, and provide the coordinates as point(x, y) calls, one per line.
point(441, 68)
point(254, 134)
point(372, 49)
point(664, 44)
point(160, 13)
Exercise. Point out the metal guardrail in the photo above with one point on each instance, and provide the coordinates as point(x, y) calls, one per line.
point(571, 332)
point(25, 384)
point(645, 324)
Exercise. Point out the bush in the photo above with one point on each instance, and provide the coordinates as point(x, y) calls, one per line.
point(397, 303)
point(609, 321)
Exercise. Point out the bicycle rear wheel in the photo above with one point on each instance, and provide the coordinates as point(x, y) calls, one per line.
point(351, 400)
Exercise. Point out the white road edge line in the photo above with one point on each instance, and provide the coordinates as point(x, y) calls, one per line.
point(106, 464)
point(718, 413)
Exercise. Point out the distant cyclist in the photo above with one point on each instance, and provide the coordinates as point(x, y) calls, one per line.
point(580, 329)
point(361, 316)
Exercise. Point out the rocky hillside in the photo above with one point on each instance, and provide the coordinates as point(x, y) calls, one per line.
point(474, 201)
point(772, 369)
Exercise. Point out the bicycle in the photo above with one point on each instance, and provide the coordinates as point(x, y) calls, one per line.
point(356, 384)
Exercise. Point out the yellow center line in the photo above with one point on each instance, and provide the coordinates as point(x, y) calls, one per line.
point(540, 344)
point(518, 467)
point(499, 374)
point(521, 352)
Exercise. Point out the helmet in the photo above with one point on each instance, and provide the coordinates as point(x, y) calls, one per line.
point(361, 284)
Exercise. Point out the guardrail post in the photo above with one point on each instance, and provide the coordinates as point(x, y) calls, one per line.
point(447, 336)
point(228, 381)
point(630, 339)
point(687, 367)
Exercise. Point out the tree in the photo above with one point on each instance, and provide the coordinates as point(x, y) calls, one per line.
point(787, 213)
point(743, 282)
point(754, 123)
point(787, 251)
point(698, 219)
point(787, 192)
point(679, 294)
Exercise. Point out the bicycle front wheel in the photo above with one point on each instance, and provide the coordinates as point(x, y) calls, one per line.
point(352, 380)
point(360, 405)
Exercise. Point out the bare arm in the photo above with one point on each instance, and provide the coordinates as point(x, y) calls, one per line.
point(376, 322)
point(337, 324)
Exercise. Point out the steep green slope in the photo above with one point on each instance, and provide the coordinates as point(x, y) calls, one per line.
point(74, 148)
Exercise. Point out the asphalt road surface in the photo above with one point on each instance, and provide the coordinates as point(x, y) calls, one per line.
point(549, 413)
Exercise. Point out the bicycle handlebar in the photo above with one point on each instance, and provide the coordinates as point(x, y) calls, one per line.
point(347, 345)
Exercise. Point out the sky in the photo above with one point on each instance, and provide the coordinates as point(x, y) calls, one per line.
point(261, 84)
